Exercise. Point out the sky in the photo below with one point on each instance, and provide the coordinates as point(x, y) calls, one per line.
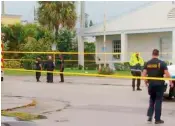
point(95, 9)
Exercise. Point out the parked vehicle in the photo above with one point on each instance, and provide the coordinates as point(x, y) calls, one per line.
point(2, 75)
point(170, 92)
point(2, 63)
point(12, 121)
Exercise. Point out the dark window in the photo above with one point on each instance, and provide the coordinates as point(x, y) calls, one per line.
point(116, 48)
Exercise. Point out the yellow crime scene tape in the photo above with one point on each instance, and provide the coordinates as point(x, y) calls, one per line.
point(57, 52)
point(45, 60)
point(64, 60)
point(85, 53)
point(95, 75)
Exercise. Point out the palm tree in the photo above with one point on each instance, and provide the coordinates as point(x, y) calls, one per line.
point(56, 14)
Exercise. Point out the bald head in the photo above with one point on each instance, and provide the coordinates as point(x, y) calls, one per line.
point(49, 57)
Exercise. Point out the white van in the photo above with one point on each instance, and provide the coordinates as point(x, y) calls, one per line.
point(171, 70)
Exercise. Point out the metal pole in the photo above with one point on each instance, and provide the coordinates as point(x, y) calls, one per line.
point(3, 8)
point(105, 36)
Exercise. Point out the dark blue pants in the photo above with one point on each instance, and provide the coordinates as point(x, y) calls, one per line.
point(155, 103)
point(50, 77)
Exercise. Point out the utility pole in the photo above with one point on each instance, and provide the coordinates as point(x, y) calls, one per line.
point(3, 8)
point(35, 16)
point(80, 34)
point(104, 32)
point(82, 22)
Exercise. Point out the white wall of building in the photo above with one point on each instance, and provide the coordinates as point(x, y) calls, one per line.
point(143, 43)
point(152, 16)
point(100, 45)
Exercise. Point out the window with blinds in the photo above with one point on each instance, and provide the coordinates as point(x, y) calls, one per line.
point(116, 48)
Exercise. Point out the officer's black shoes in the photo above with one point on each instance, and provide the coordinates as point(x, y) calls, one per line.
point(49, 81)
point(138, 89)
point(156, 122)
point(149, 119)
point(133, 89)
point(159, 122)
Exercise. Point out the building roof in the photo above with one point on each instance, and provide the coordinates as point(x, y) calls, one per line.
point(154, 15)
point(10, 15)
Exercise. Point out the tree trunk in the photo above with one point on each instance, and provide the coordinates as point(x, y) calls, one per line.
point(56, 33)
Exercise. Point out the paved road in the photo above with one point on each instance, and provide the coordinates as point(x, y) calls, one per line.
point(91, 101)
point(12, 102)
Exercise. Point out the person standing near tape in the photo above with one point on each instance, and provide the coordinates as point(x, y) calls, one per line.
point(49, 66)
point(136, 64)
point(38, 67)
point(61, 62)
point(155, 68)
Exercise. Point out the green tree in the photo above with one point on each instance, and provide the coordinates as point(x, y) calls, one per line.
point(14, 35)
point(91, 23)
point(66, 41)
point(56, 14)
point(42, 45)
point(18, 37)
point(89, 47)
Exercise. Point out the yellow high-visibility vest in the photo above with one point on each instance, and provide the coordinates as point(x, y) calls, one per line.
point(133, 60)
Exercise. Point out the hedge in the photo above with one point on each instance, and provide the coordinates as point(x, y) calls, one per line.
point(12, 64)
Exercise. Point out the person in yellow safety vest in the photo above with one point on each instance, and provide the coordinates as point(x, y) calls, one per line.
point(136, 65)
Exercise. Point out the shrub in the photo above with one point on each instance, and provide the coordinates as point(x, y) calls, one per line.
point(29, 65)
point(80, 67)
point(168, 62)
point(12, 64)
point(122, 66)
point(106, 71)
point(91, 66)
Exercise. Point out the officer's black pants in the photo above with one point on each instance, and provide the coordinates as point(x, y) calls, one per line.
point(62, 75)
point(136, 73)
point(155, 102)
point(38, 75)
point(49, 77)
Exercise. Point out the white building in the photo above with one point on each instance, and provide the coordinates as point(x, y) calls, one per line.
point(142, 30)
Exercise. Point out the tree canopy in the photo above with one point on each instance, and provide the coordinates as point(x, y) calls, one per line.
point(56, 14)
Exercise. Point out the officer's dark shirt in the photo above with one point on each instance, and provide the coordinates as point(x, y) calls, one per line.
point(61, 62)
point(155, 68)
point(38, 63)
point(49, 65)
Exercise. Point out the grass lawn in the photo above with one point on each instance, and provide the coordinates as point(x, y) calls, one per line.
point(76, 72)
point(22, 116)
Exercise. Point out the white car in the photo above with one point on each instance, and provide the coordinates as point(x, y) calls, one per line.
point(170, 91)
point(2, 75)
point(12, 121)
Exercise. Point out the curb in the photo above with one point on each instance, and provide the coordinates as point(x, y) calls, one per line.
point(33, 103)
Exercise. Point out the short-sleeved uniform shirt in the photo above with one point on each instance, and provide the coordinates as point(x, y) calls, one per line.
point(155, 68)
point(49, 65)
point(38, 67)
point(61, 63)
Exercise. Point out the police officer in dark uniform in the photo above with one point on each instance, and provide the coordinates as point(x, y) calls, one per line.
point(155, 68)
point(49, 66)
point(61, 60)
point(38, 66)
